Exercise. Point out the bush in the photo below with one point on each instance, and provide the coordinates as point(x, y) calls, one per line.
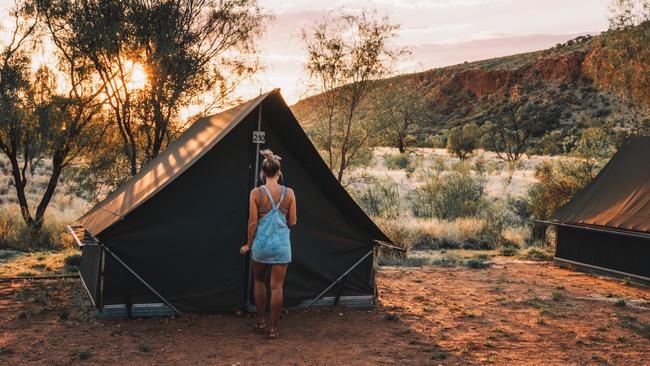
point(509, 251)
point(398, 232)
point(83, 355)
point(557, 184)
point(64, 314)
point(381, 199)
point(449, 196)
point(447, 261)
point(403, 261)
point(536, 254)
point(477, 263)
point(397, 162)
point(425, 241)
point(72, 262)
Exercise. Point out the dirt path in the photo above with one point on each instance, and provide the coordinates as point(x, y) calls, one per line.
point(511, 314)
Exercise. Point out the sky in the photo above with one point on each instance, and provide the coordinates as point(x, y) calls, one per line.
point(438, 32)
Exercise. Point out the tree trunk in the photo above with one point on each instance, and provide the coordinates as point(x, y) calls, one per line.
point(400, 144)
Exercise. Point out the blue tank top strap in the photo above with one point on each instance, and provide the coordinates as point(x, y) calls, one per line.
point(284, 193)
point(270, 197)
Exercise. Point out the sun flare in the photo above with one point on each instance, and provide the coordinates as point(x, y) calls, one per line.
point(137, 76)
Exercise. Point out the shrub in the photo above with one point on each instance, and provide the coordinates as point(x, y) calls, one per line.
point(620, 303)
point(397, 162)
point(536, 254)
point(476, 263)
point(557, 184)
point(381, 199)
point(462, 141)
point(64, 314)
point(83, 355)
point(447, 261)
point(143, 347)
point(509, 251)
point(397, 231)
point(402, 261)
point(449, 196)
point(72, 262)
point(425, 241)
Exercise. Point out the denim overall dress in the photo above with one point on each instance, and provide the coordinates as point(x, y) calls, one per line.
point(271, 243)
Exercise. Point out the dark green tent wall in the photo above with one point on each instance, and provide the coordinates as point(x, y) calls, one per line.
point(181, 232)
point(605, 227)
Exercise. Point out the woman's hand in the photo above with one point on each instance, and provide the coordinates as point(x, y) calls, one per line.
point(244, 249)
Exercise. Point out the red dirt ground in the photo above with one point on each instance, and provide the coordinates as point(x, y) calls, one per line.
point(514, 313)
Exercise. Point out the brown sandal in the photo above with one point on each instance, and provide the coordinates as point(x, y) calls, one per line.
point(272, 334)
point(259, 327)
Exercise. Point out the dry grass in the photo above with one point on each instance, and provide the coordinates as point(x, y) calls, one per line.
point(40, 263)
point(502, 179)
point(63, 209)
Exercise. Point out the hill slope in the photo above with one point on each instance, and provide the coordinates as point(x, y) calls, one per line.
point(558, 80)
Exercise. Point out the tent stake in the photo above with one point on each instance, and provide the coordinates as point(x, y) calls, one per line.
point(338, 279)
point(142, 280)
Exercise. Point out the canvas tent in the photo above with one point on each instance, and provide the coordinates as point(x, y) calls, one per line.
point(169, 237)
point(605, 227)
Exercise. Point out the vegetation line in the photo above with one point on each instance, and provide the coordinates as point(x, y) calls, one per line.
point(38, 278)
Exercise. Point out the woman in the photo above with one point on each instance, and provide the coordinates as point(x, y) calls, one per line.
point(272, 207)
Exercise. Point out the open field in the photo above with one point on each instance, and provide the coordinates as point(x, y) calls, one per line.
point(513, 313)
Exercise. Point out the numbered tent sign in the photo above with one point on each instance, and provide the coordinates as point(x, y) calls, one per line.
point(258, 137)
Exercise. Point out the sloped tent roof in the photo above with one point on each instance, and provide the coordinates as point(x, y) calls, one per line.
point(199, 139)
point(619, 196)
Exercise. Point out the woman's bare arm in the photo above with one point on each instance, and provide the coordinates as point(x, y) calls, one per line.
point(252, 223)
point(292, 216)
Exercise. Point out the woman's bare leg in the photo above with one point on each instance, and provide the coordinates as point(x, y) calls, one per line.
point(278, 272)
point(259, 277)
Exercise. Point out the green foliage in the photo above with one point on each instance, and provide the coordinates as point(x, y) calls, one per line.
point(380, 199)
point(402, 261)
point(72, 262)
point(508, 251)
point(83, 355)
point(399, 109)
point(205, 48)
point(620, 303)
point(397, 162)
point(623, 60)
point(558, 182)
point(462, 141)
point(517, 117)
point(458, 193)
point(536, 254)
point(345, 54)
point(477, 263)
point(636, 325)
point(64, 314)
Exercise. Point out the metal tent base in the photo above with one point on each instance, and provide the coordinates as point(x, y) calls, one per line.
point(160, 309)
point(359, 302)
point(589, 268)
point(137, 310)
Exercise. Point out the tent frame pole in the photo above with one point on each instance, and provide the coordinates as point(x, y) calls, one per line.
point(340, 278)
point(249, 281)
point(142, 280)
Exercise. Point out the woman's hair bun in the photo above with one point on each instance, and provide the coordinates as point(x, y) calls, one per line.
point(268, 155)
